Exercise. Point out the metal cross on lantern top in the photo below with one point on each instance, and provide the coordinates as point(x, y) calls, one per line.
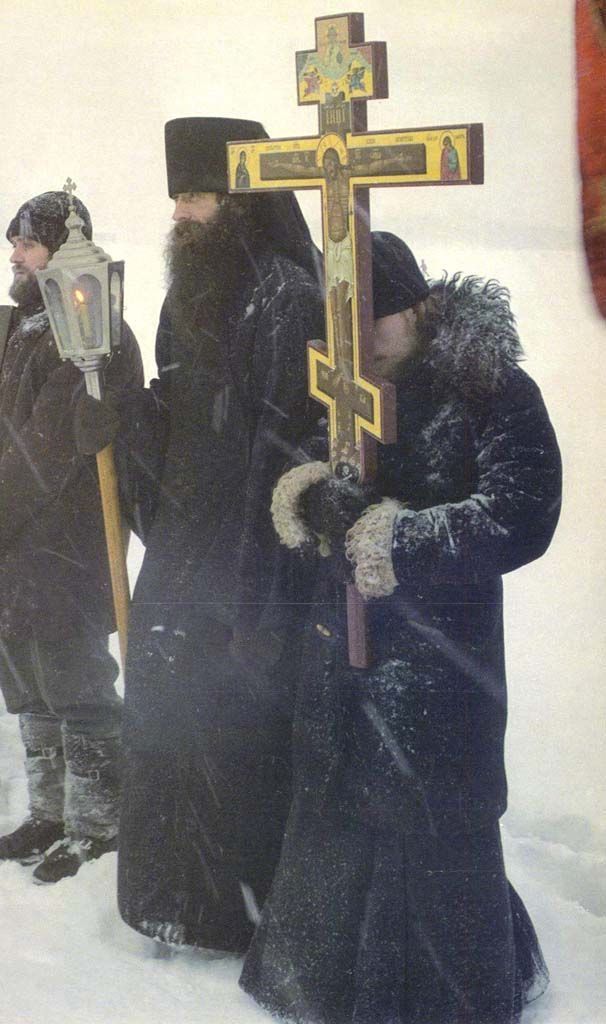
point(344, 161)
point(70, 187)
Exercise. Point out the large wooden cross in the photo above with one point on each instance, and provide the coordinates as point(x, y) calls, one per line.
point(344, 161)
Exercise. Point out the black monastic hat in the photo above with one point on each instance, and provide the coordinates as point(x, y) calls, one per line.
point(196, 161)
point(196, 154)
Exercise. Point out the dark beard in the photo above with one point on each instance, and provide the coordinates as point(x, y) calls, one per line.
point(25, 291)
point(208, 267)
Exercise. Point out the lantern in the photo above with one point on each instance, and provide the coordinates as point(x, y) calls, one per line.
point(83, 290)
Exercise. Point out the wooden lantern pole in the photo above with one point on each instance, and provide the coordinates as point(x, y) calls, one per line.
point(112, 520)
point(77, 336)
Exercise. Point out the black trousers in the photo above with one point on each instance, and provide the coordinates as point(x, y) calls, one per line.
point(68, 680)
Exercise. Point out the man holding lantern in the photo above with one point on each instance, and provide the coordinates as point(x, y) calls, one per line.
point(56, 672)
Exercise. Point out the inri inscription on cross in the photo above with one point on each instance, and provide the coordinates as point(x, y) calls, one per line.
point(344, 161)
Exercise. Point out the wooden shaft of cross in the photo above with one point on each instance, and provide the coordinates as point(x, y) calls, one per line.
point(344, 161)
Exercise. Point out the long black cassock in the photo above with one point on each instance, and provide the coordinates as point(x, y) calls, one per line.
point(390, 902)
point(207, 734)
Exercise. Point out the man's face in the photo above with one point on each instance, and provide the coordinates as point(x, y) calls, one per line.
point(27, 256)
point(201, 207)
point(395, 341)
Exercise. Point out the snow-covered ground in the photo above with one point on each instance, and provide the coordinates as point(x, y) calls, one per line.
point(88, 85)
point(67, 958)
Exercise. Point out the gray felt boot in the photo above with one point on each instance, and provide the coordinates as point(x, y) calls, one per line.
point(92, 789)
point(45, 770)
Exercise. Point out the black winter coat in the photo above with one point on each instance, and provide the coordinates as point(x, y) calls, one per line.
point(208, 698)
point(54, 573)
point(390, 902)
point(416, 742)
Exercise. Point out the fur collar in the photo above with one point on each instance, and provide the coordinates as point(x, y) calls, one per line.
point(34, 324)
point(469, 337)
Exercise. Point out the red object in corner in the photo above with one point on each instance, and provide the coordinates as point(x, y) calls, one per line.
point(591, 127)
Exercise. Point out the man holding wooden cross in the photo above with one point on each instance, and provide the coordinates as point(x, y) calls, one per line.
point(390, 904)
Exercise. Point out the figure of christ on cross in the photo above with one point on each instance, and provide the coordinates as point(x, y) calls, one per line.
point(344, 161)
point(350, 399)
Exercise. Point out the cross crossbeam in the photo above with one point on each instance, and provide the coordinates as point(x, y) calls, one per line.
point(344, 161)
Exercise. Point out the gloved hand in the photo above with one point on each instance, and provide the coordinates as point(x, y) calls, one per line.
point(330, 507)
point(96, 423)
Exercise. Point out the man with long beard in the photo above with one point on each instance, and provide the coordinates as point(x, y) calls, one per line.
point(209, 678)
point(56, 672)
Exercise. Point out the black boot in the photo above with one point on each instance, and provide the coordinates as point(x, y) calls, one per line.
point(45, 771)
point(66, 859)
point(28, 842)
point(92, 785)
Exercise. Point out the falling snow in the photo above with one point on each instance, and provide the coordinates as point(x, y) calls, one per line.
point(66, 956)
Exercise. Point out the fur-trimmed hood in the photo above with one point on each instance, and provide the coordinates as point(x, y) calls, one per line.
point(469, 338)
point(34, 325)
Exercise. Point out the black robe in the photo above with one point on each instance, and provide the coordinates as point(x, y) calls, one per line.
point(208, 700)
point(54, 573)
point(390, 903)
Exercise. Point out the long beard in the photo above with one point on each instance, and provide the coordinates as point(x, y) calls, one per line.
point(25, 291)
point(207, 267)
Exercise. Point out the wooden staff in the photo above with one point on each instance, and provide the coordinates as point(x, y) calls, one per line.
point(112, 519)
point(68, 299)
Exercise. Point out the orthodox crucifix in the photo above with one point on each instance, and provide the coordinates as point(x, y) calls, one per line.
point(344, 161)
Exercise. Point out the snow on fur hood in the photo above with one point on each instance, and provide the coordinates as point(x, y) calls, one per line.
point(33, 325)
point(469, 337)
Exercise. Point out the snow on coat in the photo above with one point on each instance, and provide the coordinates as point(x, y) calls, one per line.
point(416, 742)
point(208, 699)
point(54, 574)
point(390, 901)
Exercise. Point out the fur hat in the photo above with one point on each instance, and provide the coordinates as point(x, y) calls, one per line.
point(196, 154)
point(397, 282)
point(43, 219)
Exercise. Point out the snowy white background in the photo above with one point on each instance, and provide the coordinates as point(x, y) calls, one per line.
point(86, 88)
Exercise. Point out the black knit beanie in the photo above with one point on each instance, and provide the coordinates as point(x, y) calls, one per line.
point(397, 282)
point(196, 153)
point(43, 219)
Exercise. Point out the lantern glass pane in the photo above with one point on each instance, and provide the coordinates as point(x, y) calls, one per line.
point(115, 299)
point(54, 305)
point(87, 301)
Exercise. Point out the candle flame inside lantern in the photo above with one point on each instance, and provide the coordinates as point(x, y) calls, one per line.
point(80, 299)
